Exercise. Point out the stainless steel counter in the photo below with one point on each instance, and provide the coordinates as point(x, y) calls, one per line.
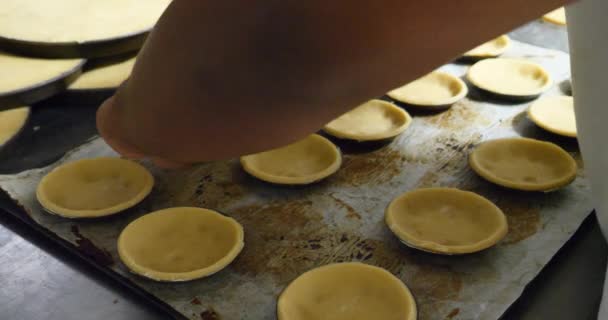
point(39, 280)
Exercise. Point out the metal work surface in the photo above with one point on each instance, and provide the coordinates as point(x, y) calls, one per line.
point(290, 230)
point(73, 290)
point(38, 278)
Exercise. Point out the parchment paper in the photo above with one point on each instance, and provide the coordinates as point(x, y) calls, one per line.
point(291, 230)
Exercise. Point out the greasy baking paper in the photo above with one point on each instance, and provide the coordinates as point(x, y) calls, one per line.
point(289, 230)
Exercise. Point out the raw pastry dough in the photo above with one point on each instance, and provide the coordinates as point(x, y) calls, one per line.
point(510, 77)
point(557, 16)
point(435, 90)
point(23, 73)
point(346, 291)
point(12, 122)
point(306, 161)
point(523, 164)
point(106, 76)
point(490, 49)
point(446, 221)
point(554, 114)
point(61, 21)
point(180, 244)
point(97, 187)
point(373, 120)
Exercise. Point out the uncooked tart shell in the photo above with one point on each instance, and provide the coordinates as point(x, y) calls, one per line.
point(23, 73)
point(523, 164)
point(373, 120)
point(303, 162)
point(346, 291)
point(490, 49)
point(510, 77)
point(180, 244)
point(554, 114)
point(557, 16)
point(435, 90)
point(12, 122)
point(106, 76)
point(77, 21)
point(96, 187)
point(446, 220)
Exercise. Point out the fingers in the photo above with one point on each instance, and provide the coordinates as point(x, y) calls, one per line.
point(107, 125)
point(107, 121)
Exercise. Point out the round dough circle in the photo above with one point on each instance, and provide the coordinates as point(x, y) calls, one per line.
point(12, 122)
point(77, 21)
point(554, 114)
point(22, 74)
point(510, 77)
point(557, 16)
point(303, 162)
point(446, 221)
point(180, 244)
point(435, 90)
point(490, 49)
point(108, 75)
point(346, 291)
point(373, 120)
point(96, 187)
point(523, 164)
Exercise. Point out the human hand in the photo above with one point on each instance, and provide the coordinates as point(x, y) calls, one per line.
point(106, 118)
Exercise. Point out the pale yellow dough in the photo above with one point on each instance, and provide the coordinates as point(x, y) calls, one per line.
point(12, 122)
point(20, 73)
point(510, 77)
point(106, 76)
point(96, 187)
point(554, 114)
point(303, 162)
point(373, 120)
point(437, 89)
point(524, 164)
point(180, 244)
point(490, 49)
point(59, 21)
point(346, 291)
point(446, 221)
point(557, 16)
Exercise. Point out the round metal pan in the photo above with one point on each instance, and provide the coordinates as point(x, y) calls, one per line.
point(87, 49)
point(39, 91)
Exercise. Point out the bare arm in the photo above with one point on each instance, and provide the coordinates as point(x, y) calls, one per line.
point(218, 79)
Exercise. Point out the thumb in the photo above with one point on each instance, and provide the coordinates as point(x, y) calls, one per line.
point(108, 126)
point(108, 120)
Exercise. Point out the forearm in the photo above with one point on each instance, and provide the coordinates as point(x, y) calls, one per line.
point(268, 72)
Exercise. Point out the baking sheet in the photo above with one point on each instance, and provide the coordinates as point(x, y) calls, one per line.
point(290, 230)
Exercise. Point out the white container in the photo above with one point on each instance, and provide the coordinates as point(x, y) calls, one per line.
point(588, 36)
